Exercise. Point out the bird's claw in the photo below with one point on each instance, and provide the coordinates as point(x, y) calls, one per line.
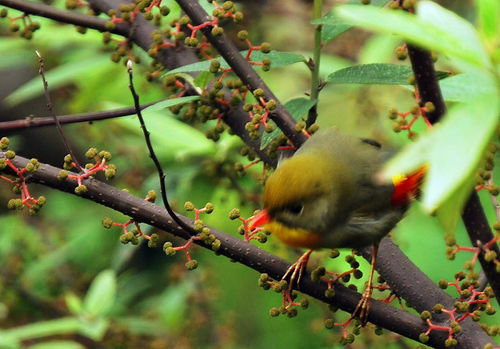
point(363, 306)
point(294, 273)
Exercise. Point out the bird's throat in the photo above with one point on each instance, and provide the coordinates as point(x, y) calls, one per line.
point(296, 237)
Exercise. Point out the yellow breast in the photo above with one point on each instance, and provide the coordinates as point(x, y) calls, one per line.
point(296, 237)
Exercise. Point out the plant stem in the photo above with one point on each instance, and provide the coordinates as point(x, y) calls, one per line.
point(315, 81)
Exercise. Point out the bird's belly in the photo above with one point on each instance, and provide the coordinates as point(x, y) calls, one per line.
point(296, 237)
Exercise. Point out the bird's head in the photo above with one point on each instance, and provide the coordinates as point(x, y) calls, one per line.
point(303, 197)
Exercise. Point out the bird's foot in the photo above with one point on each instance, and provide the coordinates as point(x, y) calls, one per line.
point(294, 274)
point(363, 306)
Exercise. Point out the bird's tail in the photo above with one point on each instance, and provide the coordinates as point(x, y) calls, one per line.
point(407, 187)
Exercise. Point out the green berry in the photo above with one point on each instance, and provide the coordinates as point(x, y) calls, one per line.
point(192, 264)
point(265, 47)
point(234, 214)
point(81, 189)
point(107, 222)
point(10, 154)
point(274, 312)
point(424, 338)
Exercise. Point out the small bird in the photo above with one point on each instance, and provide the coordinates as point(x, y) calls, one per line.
point(326, 196)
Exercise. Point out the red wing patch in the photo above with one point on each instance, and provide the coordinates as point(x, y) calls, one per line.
point(407, 187)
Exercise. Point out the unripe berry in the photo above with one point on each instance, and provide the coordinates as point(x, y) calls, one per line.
point(192, 264)
point(81, 189)
point(242, 35)
point(329, 293)
point(189, 206)
point(424, 338)
point(274, 312)
point(107, 222)
point(265, 47)
point(234, 214)
point(216, 31)
point(10, 154)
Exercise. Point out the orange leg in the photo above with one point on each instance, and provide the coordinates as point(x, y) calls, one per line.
point(296, 269)
point(363, 306)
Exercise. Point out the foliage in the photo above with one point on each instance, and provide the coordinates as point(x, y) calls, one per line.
point(67, 280)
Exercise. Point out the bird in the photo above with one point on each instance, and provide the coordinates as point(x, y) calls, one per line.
point(327, 196)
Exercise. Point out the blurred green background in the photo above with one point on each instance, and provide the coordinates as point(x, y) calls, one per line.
point(140, 297)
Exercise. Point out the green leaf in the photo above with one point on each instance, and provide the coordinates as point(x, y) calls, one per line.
point(101, 294)
point(375, 73)
point(74, 303)
point(434, 28)
point(95, 329)
point(298, 108)
point(56, 77)
point(449, 212)
point(170, 103)
point(333, 26)
point(47, 328)
point(452, 161)
point(467, 86)
point(378, 48)
point(172, 139)
point(203, 79)
point(489, 18)
point(57, 345)
point(278, 59)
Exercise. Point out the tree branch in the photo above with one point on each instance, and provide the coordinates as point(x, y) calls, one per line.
point(170, 58)
point(68, 17)
point(247, 254)
point(473, 216)
point(28, 122)
point(243, 69)
point(380, 314)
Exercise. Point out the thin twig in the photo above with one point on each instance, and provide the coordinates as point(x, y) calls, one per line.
point(50, 107)
point(314, 65)
point(152, 154)
point(33, 122)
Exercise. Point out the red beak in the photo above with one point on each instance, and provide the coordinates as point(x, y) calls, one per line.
point(259, 219)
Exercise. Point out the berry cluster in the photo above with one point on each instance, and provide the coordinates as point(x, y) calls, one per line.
point(204, 235)
point(100, 164)
point(22, 24)
point(404, 121)
point(19, 184)
point(258, 233)
point(132, 236)
point(289, 304)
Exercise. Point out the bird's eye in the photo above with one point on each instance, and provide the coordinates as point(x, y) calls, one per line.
point(295, 209)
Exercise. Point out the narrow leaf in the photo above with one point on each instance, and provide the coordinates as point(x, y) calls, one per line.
point(278, 59)
point(56, 77)
point(489, 18)
point(101, 294)
point(375, 73)
point(57, 345)
point(452, 160)
point(333, 26)
point(467, 86)
point(61, 326)
point(298, 108)
point(170, 103)
point(434, 28)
